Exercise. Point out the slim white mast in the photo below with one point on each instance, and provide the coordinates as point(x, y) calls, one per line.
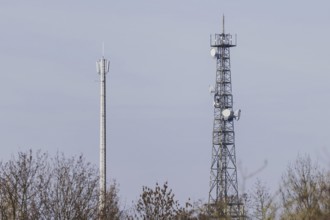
point(102, 67)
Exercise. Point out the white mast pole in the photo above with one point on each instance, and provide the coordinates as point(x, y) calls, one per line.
point(102, 68)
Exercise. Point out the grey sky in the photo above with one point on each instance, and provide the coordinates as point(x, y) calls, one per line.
point(159, 110)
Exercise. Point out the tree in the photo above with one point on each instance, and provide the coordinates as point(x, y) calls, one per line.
point(159, 204)
point(23, 183)
point(32, 186)
point(112, 203)
point(73, 192)
point(262, 202)
point(199, 211)
point(304, 191)
point(325, 199)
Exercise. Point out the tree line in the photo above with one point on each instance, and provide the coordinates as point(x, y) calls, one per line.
point(34, 186)
point(37, 186)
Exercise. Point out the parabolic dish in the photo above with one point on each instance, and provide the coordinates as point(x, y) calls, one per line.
point(213, 52)
point(226, 113)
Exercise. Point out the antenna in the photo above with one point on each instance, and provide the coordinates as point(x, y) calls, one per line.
point(102, 67)
point(103, 49)
point(223, 23)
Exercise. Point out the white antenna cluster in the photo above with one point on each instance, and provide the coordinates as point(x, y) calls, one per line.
point(102, 65)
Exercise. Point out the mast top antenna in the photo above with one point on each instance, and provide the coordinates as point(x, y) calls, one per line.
point(102, 49)
point(223, 23)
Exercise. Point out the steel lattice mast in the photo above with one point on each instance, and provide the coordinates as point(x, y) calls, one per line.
point(224, 199)
point(102, 67)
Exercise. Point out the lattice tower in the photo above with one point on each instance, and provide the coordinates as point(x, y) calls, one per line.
point(224, 201)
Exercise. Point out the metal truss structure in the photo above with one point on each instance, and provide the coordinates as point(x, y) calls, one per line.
point(224, 201)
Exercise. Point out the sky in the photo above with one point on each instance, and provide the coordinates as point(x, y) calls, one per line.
point(159, 110)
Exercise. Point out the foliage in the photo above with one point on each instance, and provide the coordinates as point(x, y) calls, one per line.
point(33, 187)
point(73, 193)
point(23, 184)
point(112, 203)
point(305, 191)
point(262, 203)
point(159, 204)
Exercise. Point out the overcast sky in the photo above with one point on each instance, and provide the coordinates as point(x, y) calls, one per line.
point(160, 113)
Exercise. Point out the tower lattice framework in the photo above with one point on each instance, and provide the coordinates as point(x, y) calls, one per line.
point(224, 201)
